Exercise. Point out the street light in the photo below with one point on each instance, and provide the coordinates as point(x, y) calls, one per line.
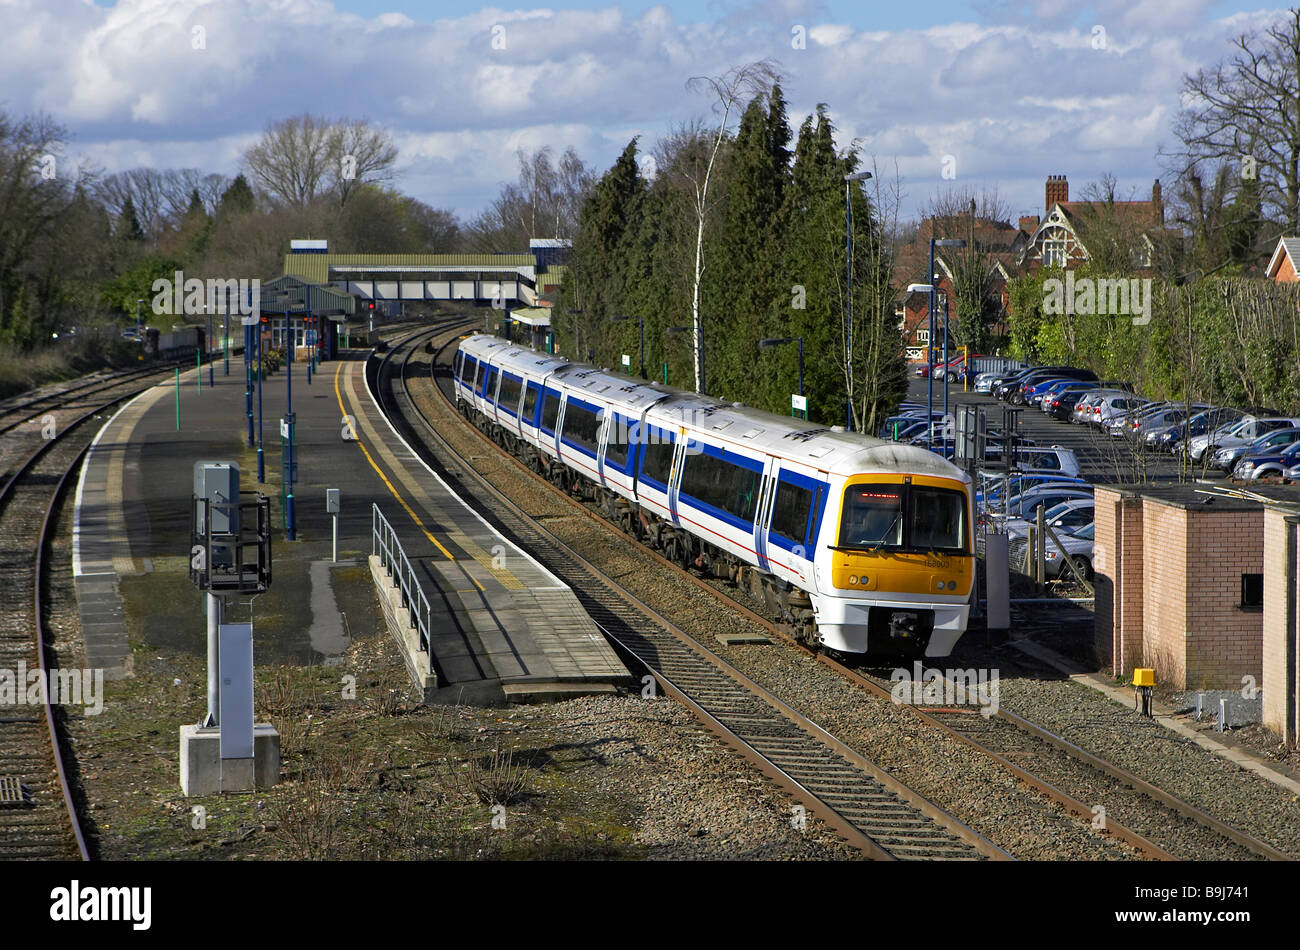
point(138, 332)
point(929, 346)
point(778, 341)
point(640, 322)
point(848, 295)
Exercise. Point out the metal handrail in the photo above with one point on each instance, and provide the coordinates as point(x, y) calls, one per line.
point(385, 544)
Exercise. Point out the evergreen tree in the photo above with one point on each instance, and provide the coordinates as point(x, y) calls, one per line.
point(237, 199)
point(128, 223)
point(743, 278)
point(812, 260)
point(595, 283)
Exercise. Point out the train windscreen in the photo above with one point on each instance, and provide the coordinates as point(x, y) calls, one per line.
point(904, 517)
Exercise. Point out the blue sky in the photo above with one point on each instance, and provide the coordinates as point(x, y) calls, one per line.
point(984, 94)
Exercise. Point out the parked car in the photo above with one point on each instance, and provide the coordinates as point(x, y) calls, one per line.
point(1083, 411)
point(1055, 458)
point(1133, 424)
point(1174, 438)
point(894, 425)
point(984, 382)
point(1227, 456)
point(990, 500)
point(1060, 387)
point(1069, 515)
point(1020, 395)
point(1270, 463)
point(1078, 549)
point(1022, 506)
point(1116, 409)
point(1153, 426)
point(1243, 432)
point(1062, 406)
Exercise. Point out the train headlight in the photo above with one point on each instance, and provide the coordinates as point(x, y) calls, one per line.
point(853, 580)
point(952, 585)
point(938, 585)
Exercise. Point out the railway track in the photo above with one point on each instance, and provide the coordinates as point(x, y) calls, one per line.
point(869, 808)
point(20, 413)
point(1170, 829)
point(38, 817)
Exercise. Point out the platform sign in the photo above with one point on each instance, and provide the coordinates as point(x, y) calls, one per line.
point(236, 690)
point(331, 501)
point(799, 402)
point(627, 361)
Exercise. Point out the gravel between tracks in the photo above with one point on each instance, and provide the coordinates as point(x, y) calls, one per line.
point(951, 775)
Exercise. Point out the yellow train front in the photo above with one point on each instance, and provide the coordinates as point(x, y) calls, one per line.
point(896, 564)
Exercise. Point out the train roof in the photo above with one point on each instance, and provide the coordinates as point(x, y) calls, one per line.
point(743, 426)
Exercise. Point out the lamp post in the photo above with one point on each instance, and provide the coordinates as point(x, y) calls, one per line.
point(778, 341)
point(848, 296)
point(139, 333)
point(929, 346)
point(640, 322)
point(946, 374)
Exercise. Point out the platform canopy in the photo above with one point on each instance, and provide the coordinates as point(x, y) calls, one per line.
point(532, 316)
point(294, 295)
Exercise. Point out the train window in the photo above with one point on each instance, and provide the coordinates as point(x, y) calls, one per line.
point(468, 367)
point(510, 390)
point(489, 381)
point(581, 426)
point(657, 457)
point(616, 442)
point(938, 519)
point(722, 483)
point(550, 411)
point(873, 514)
point(790, 511)
point(530, 404)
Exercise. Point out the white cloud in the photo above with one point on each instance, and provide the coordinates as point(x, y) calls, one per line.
point(1014, 97)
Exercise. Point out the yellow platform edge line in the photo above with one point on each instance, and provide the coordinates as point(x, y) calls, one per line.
point(356, 437)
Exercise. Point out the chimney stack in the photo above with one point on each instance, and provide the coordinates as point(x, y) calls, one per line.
point(1158, 199)
point(1058, 190)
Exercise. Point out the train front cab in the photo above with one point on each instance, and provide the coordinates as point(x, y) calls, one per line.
point(901, 567)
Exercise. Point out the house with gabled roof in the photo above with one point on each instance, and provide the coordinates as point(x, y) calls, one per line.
point(1284, 265)
point(1060, 237)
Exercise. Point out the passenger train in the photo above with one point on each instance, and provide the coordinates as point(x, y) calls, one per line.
point(858, 544)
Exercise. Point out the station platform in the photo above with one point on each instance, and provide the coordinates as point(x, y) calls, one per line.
point(503, 627)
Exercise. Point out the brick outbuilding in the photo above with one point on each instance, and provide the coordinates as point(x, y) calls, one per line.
point(1201, 587)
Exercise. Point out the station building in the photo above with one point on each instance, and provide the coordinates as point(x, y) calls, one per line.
point(1202, 587)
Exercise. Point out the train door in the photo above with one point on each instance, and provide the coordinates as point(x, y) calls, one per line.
point(764, 516)
point(680, 447)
